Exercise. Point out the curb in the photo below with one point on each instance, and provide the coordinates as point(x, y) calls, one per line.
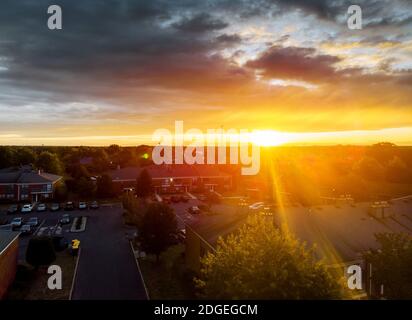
point(140, 271)
point(75, 274)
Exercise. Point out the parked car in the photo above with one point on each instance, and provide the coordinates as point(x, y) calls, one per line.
point(175, 199)
point(202, 197)
point(14, 208)
point(184, 198)
point(256, 206)
point(33, 221)
point(82, 205)
point(26, 229)
point(94, 205)
point(41, 207)
point(55, 207)
point(69, 206)
point(65, 219)
point(266, 211)
point(26, 208)
point(16, 222)
point(194, 210)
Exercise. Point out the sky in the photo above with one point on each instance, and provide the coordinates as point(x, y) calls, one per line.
point(119, 69)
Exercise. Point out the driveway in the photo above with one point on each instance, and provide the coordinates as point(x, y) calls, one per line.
point(107, 268)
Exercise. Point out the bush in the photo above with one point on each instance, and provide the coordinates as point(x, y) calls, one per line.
point(40, 251)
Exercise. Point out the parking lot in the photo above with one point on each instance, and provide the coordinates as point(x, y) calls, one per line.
point(106, 268)
point(48, 222)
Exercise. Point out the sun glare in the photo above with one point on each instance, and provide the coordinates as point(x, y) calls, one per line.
point(268, 138)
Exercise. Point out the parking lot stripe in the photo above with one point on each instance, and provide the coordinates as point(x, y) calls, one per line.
point(75, 273)
point(140, 271)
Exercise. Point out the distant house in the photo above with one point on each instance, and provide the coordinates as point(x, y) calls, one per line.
point(26, 184)
point(175, 178)
point(9, 244)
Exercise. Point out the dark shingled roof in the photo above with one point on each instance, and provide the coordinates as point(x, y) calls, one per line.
point(25, 175)
point(165, 171)
point(6, 237)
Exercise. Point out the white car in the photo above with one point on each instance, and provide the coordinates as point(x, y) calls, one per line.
point(16, 222)
point(26, 208)
point(41, 207)
point(256, 205)
point(82, 205)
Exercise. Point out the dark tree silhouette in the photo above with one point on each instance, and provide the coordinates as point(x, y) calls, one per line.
point(159, 225)
point(144, 184)
point(40, 251)
point(105, 187)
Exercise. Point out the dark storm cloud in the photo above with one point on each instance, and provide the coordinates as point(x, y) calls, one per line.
point(103, 45)
point(295, 63)
point(107, 48)
point(202, 22)
point(228, 40)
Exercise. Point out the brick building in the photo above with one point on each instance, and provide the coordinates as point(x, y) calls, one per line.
point(26, 184)
point(9, 243)
point(175, 178)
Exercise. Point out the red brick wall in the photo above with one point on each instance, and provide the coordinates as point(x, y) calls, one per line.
point(8, 266)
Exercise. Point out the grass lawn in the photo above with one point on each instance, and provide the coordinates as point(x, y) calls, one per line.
point(32, 285)
point(169, 278)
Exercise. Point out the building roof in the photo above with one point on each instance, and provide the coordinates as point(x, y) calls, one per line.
point(340, 233)
point(6, 237)
point(168, 171)
point(26, 175)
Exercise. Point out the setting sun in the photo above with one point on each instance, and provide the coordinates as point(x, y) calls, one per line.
point(268, 138)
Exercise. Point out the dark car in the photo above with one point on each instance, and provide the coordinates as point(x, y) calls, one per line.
point(26, 229)
point(94, 205)
point(194, 210)
point(54, 207)
point(41, 207)
point(33, 221)
point(65, 219)
point(175, 199)
point(14, 208)
point(69, 205)
point(184, 198)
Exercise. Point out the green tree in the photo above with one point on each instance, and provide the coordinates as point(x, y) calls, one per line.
point(49, 162)
point(24, 156)
point(85, 187)
point(105, 188)
point(144, 184)
point(159, 225)
point(40, 251)
point(262, 262)
point(398, 171)
point(369, 168)
point(6, 157)
point(392, 264)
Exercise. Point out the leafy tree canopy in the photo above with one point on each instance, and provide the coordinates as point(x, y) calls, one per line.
point(262, 262)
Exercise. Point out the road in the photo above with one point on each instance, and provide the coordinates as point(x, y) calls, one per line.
point(107, 268)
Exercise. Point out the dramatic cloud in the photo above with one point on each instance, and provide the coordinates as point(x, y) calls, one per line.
point(200, 23)
point(122, 63)
point(295, 63)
